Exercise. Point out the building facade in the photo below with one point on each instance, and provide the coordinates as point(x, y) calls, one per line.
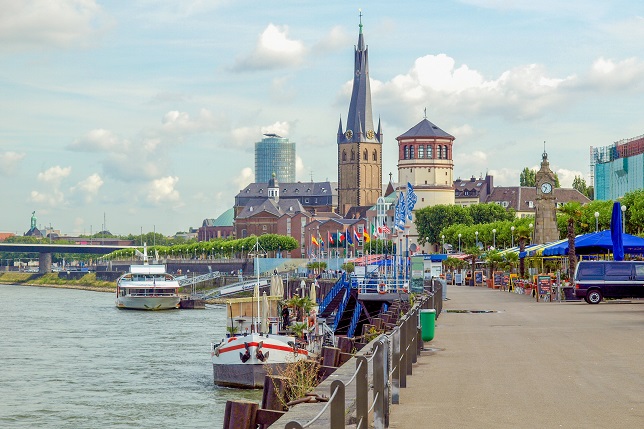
point(221, 227)
point(545, 214)
point(473, 190)
point(274, 154)
point(315, 197)
point(359, 144)
point(522, 199)
point(618, 168)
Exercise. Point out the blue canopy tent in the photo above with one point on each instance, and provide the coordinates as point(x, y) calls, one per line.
point(597, 242)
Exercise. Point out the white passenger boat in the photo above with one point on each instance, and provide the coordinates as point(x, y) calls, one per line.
point(147, 287)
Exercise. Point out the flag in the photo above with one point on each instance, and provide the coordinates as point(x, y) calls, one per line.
point(386, 230)
point(314, 241)
point(411, 200)
point(321, 242)
point(330, 238)
point(356, 236)
point(374, 231)
point(342, 237)
point(400, 215)
point(366, 236)
point(347, 237)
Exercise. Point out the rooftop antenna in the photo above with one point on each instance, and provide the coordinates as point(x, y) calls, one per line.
point(360, 14)
point(425, 112)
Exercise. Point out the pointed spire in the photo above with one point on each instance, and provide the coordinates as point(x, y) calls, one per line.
point(379, 133)
point(360, 119)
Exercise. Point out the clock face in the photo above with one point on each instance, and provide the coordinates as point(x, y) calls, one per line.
point(370, 134)
point(348, 134)
point(546, 188)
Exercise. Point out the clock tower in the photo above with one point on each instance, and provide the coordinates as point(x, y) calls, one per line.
point(545, 222)
point(359, 145)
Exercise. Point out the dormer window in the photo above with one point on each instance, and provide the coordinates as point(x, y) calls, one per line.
point(250, 209)
point(531, 204)
point(261, 191)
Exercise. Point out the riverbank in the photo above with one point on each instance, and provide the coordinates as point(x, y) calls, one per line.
point(87, 282)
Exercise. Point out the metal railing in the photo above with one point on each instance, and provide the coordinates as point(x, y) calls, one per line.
point(390, 357)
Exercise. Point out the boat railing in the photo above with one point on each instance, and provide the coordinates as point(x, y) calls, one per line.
point(153, 294)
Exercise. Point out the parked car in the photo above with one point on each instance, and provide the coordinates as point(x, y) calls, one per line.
point(596, 280)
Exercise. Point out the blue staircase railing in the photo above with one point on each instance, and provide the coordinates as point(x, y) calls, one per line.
point(340, 285)
point(341, 308)
point(354, 320)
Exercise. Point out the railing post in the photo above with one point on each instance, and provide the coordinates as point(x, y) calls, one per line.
point(362, 392)
point(413, 332)
point(379, 369)
point(403, 354)
point(395, 363)
point(410, 352)
point(387, 378)
point(337, 405)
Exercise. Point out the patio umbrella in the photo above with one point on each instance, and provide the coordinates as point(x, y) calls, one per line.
point(264, 312)
point(302, 288)
point(256, 300)
point(616, 232)
point(279, 286)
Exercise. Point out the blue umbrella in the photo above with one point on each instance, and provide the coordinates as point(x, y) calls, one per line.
point(616, 232)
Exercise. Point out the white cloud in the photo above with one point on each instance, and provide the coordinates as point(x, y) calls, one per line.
point(337, 38)
point(609, 74)
point(163, 190)
point(9, 162)
point(274, 50)
point(243, 179)
point(181, 122)
point(279, 128)
point(567, 176)
point(46, 23)
point(54, 174)
point(246, 136)
point(300, 170)
point(100, 140)
point(89, 187)
point(53, 198)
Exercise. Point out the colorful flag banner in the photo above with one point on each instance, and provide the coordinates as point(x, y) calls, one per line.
point(314, 241)
point(411, 200)
point(399, 217)
point(367, 237)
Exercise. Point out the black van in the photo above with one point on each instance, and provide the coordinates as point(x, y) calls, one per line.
point(595, 280)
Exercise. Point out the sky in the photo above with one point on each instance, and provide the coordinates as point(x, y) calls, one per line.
point(143, 115)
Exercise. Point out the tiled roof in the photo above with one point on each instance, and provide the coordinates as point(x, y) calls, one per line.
point(425, 129)
point(288, 207)
point(224, 219)
point(291, 190)
point(519, 197)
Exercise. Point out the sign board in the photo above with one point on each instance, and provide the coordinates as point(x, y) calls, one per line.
point(478, 278)
point(498, 278)
point(458, 278)
point(545, 285)
point(506, 279)
point(449, 277)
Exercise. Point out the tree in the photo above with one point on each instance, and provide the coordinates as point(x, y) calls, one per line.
point(572, 210)
point(488, 213)
point(523, 234)
point(493, 258)
point(579, 184)
point(528, 178)
point(474, 253)
point(431, 220)
point(557, 184)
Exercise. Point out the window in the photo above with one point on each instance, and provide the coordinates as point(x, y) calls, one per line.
point(365, 155)
point(421, 151)
point(439, 152)
point(264, 227)
point(531, 204)
point(445, 152)
point(353, 155)
point(375, 155)
point(406, 152)
point(429, 152)
point(344, 155)
point(411, 152)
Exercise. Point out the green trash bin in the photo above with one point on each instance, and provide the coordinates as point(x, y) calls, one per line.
point(427, 323)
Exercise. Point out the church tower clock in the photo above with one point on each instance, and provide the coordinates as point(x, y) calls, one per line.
point(359, 144)
point(545, 222)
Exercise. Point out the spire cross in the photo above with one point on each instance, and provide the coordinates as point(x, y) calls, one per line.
point(360, 14)
point(425, 112)
point(390, 176)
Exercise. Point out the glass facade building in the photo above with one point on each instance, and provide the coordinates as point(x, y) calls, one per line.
point(274, 154)
point(618, 168)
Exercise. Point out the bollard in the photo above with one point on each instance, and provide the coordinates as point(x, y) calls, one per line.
point(337, 404)
point(379, 369)
point(274, 392)
point(395, 363)
point(362, 392)
point(240, 415)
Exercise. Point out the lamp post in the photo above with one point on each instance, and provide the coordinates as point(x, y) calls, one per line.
point(476, 233)
point(427, 241)
point(512, 234)
point(624, 219)
point(222, 252)
point(459, 242)
point(531, 239)
point(443, 245)
point(494, 238)
point(596, 221)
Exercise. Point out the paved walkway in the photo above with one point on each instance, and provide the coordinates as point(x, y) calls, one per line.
point(531, 365)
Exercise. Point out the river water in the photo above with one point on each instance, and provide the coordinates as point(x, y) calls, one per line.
point(71, 359)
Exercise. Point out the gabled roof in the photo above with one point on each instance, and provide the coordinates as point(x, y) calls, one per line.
point(288, 207)
point(425, 129)
point(290, 190)
point(519, 197)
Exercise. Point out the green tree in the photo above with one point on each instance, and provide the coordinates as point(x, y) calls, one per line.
point(634, 214)
point(572, 211)
point(488, 213)
point(579, 184)
point(474, 253)
point(430, 221)
point(523, 234)
point(528, 178)
point(557, 184)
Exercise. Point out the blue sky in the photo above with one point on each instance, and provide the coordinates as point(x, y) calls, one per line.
point(147, 111)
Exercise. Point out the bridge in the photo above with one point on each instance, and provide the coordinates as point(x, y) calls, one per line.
point(45, 250)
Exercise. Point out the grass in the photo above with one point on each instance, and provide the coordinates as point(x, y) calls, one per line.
point(88, 281)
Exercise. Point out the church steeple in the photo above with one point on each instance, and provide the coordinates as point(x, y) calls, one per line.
point(360, 118)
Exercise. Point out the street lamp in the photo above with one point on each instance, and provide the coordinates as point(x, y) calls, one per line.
point(596, 221)
point(459, 242)
point(512, 234)
point(477, 238)
point(624, 219)
point(494, 238)
point(443, 237)
point(531, 239)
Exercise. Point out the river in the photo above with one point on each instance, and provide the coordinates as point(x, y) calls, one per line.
point(71, 359)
